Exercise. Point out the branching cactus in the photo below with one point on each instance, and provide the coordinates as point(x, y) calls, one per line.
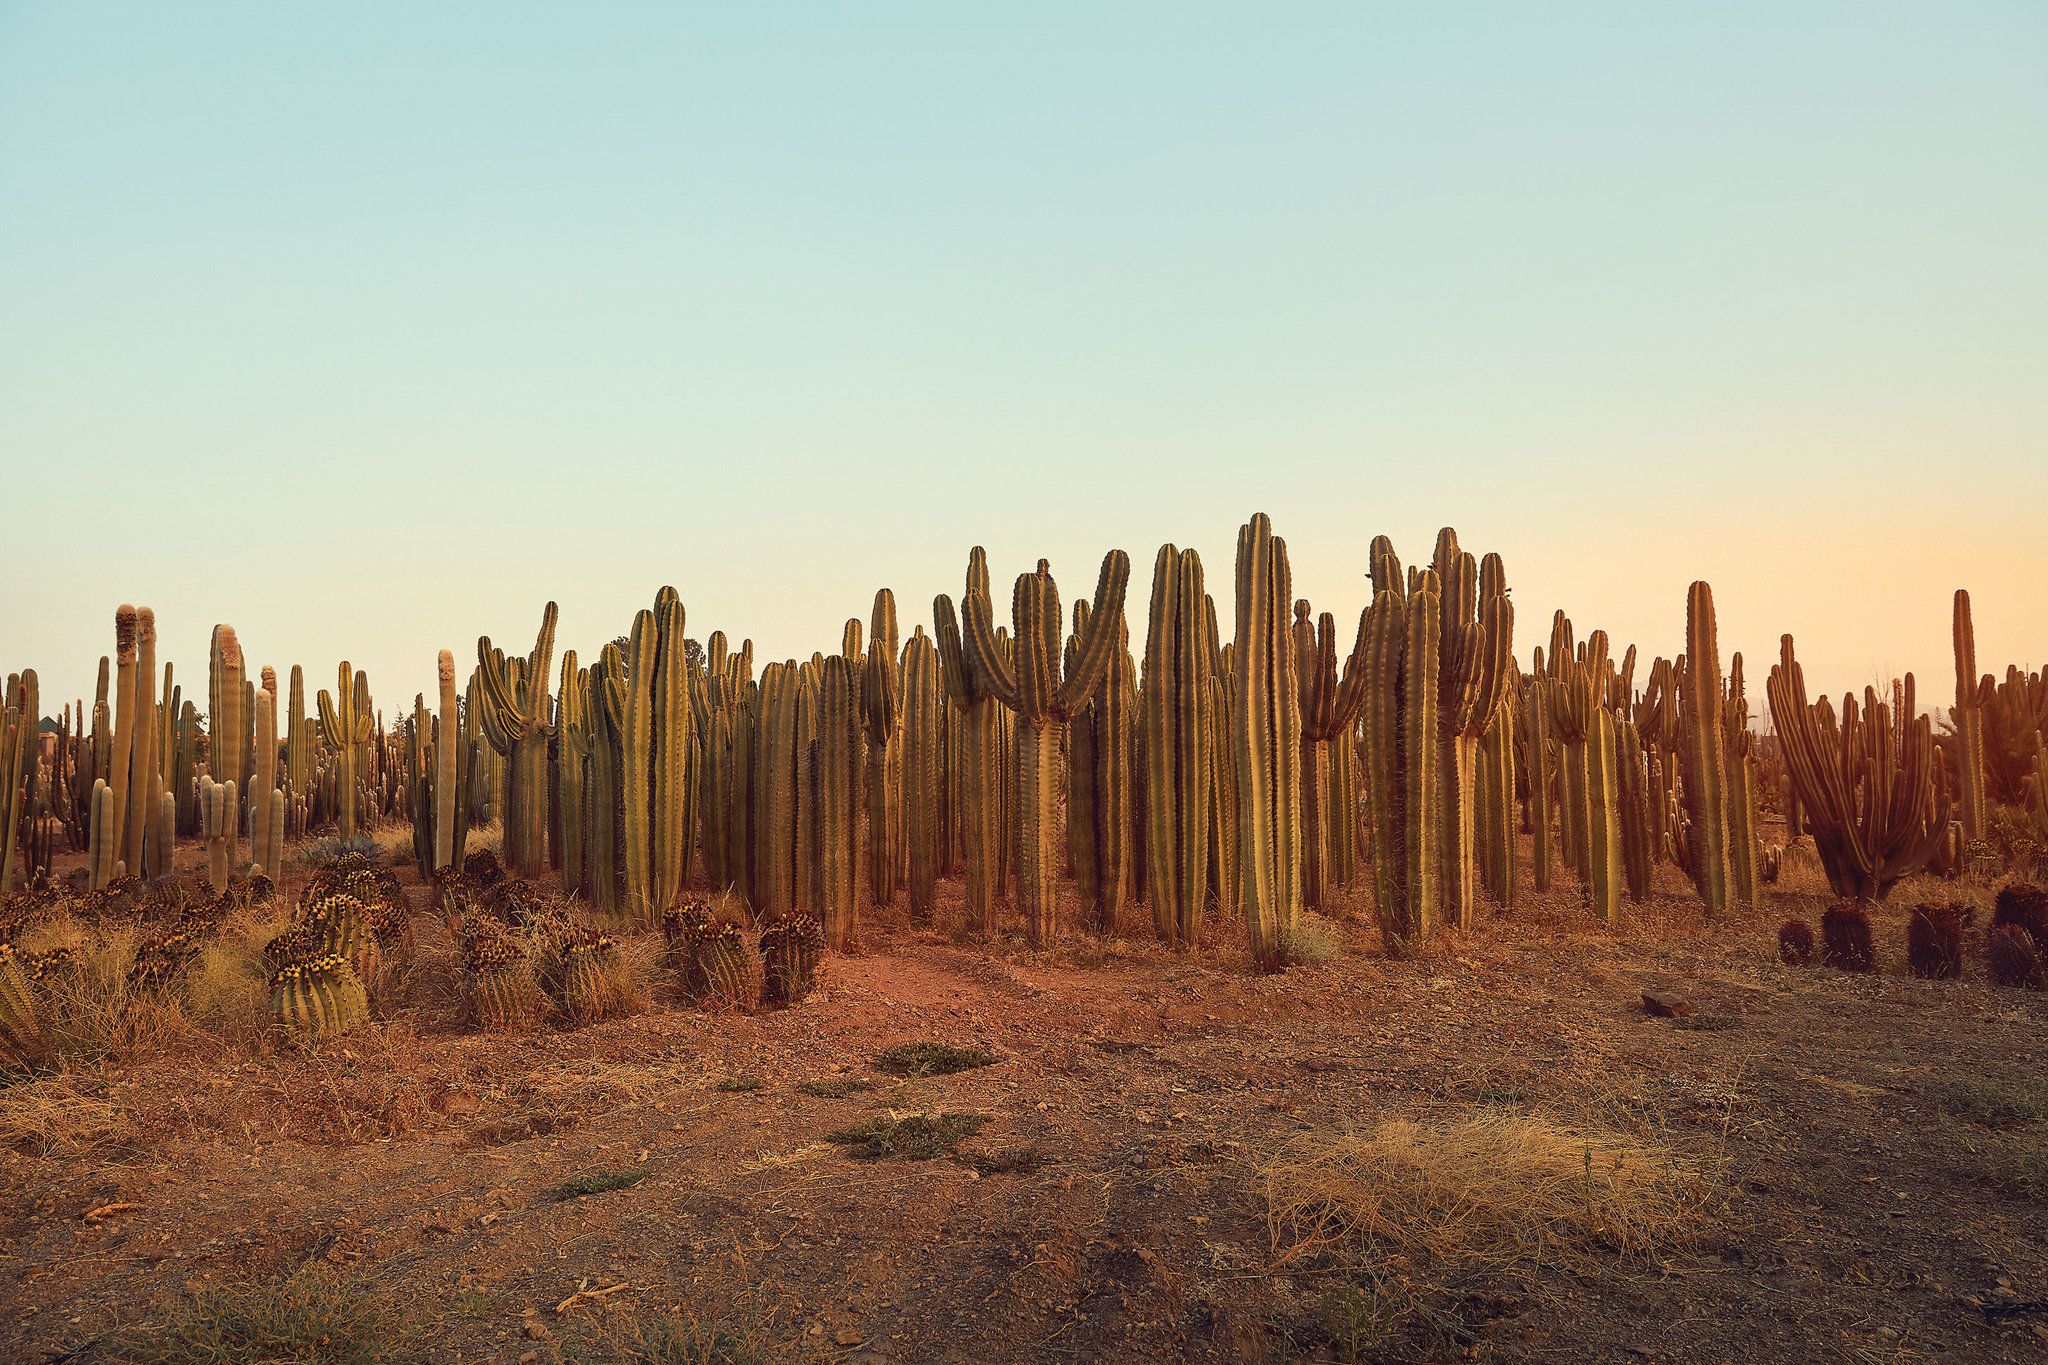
point(980, 751)
point(1177, 696)
point(1403, 758)
point(1745, 846)
point(345, 727)
point(1265, 732)
point(514, 717)
point(1475, 667)
point(1871, 785)
point(1328, 707)
point(1100, 841)
point(145, 777)
point(1043, 701)
point(126, 704)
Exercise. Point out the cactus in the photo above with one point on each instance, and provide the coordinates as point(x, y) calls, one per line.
point(595, 982)
point(1537, 764)
point(145, 778)
point(1496, 837)
point(1402, 756)
point(923, 744)
point(776, 773)
point(834, 763)
point(1328, 707)
point(318, 998)
point(1706, 763)
point(881, 706)
point(2013, 959)
point(339, 926)
point(729, 968)
point(501, 992)
point(266, 834)
point(1968, 718)
point(1795, 943)
point(1265, 733)
point(23, 1038)
point(1032, 687)
point(1180, 741)
point(17, 767)
point(121, 773)
point(1934, 941)
point(649, 727)
point(101, 849)
point(1846, 943)
point(346, 723)
point(1099, 820)
point(1603, 834)
point(1476, 629)
point(217, 827)
point(1633, 802)
point(1739, 752)
point(513, 714)
point(226, 725)
point(980, 749)
point(791, 951)
point(298, 739)
point(1870, 787)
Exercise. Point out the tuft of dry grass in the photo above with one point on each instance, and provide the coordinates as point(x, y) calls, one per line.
point(1492, 1189)
point(65, 1117)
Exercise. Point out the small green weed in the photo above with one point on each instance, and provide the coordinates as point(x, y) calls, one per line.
point(309, 1318)
point(931, 1059)
point(673, 1340)
point(920, 1137)
point(1359, 1322)
point(1989, 1103)
point(598, 1183)
point(834, 1090)
point(738, 1084)
point(2021, 1168)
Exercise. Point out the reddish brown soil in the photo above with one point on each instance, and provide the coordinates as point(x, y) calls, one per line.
point(1850, 1218)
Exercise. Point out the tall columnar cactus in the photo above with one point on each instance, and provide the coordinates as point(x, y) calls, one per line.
point(1031, 686)
point(923, 740)
point(1402, 755)
point(1633, 800)
point(1476, 665)
point(217, 802)
point(17, 765)
point(144, 777)
point(226, 725)
point(1266, 743)
point(657, 640)
point(1568, 726)
point(1603, 817)
point(1738, 744)
point(1871, 786)
point(716, 699)
point(266, 837)
point(298, 739)
point(572, 767)
point(1538, 765)
point(1180, 740)
point(1496, 837)
point(1969, 722)
point(1328, 707)
point(514, 716)
point(980, 751)
point(451, 812)
point(881, 705)
point(834, 762)
point(604, 792)
point(1100, 837)
point(126, 704)
point(1706, 770)
point(776, 772)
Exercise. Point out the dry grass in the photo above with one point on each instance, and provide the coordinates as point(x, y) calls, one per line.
point(1489, 1190)
point(64, 1117)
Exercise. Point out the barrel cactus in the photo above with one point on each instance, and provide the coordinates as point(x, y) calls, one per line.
point(499, 984)
point(319, 998)
point(791, 950)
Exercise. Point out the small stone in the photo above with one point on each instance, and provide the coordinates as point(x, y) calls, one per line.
point(529, 1358)
point(846, 1336)
point(1665, 1006)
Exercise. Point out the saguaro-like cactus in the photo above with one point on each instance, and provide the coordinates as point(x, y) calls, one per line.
point(1745, 846)
point(834, 761)
point(1969, 722)
point(776, 773)
point(298, 739)
point(1475, 665)
point(881, 687)
point(346, 724)
point(1706, 770)
point(125, 708)
point(980, 751)
point(923, 741)
point(266, 836)
point(1403, 758)
point(1099, 820)
point(1871, 786)
point(226, 726)
point(513, 713)
point(144, 777)
point(1537, 764)
point(451, 813)
point(1043, 703)
point(1328, 707)
point(1180, 731)
point(1266, 743)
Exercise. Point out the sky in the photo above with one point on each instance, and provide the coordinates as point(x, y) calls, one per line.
point(369, 329)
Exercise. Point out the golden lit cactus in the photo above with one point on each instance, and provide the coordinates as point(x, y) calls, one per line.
point(1265, 726)
point(23, 1037)
point(499, 985)
point(340, 927)
point(1101, 840)
point(1044, 695)
point(320, 997)
point(1329, 705)
point(1706, 759)
point(1179, 696)
point(792, 949)
point(346, 725)
point(728, 968)
point(684, 927)
point(595, 981)
point(513, 713)
point(881, 707)
point(923, 766)
point(1968, 719)
point(980, 797)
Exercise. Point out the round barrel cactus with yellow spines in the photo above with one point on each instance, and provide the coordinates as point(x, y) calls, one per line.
point(22, 1037)
point(791, 949)
point(729, 968)
point(503, 995)
point(340, 924)
point(319, 998)
point(595, 983)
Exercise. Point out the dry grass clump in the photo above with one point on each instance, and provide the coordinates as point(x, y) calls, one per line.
point(1492, 1189)
point(311, 1318)
point(64, 1117)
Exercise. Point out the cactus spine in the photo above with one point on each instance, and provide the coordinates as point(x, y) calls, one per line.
point(514, 717)
point(1969, 722)
point(1706, 773)
point(1030, 686)
point(1266, 743)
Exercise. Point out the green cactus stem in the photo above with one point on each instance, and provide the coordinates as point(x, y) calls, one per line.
point(126, 705)
point(1100, 841)
point(1266, 741)
point(345, 726)
point(882, 722)
point(923, 741)
point(776, 773)
point(1968, 719)
point(980, 753)
point(1477, 641)
point(1180, 737)
point(1328, 708)
point(834, 763)
point(513, 715)
point(320, 997)
point(1031, 686)
point(1706, 770)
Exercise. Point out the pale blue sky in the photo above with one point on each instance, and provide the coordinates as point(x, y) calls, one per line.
point(371, 329)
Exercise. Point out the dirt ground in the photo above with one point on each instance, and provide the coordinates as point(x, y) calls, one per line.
point(1847, 1215)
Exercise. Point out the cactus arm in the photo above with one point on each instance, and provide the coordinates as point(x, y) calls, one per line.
point(992, 672)
point(1105, 630)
